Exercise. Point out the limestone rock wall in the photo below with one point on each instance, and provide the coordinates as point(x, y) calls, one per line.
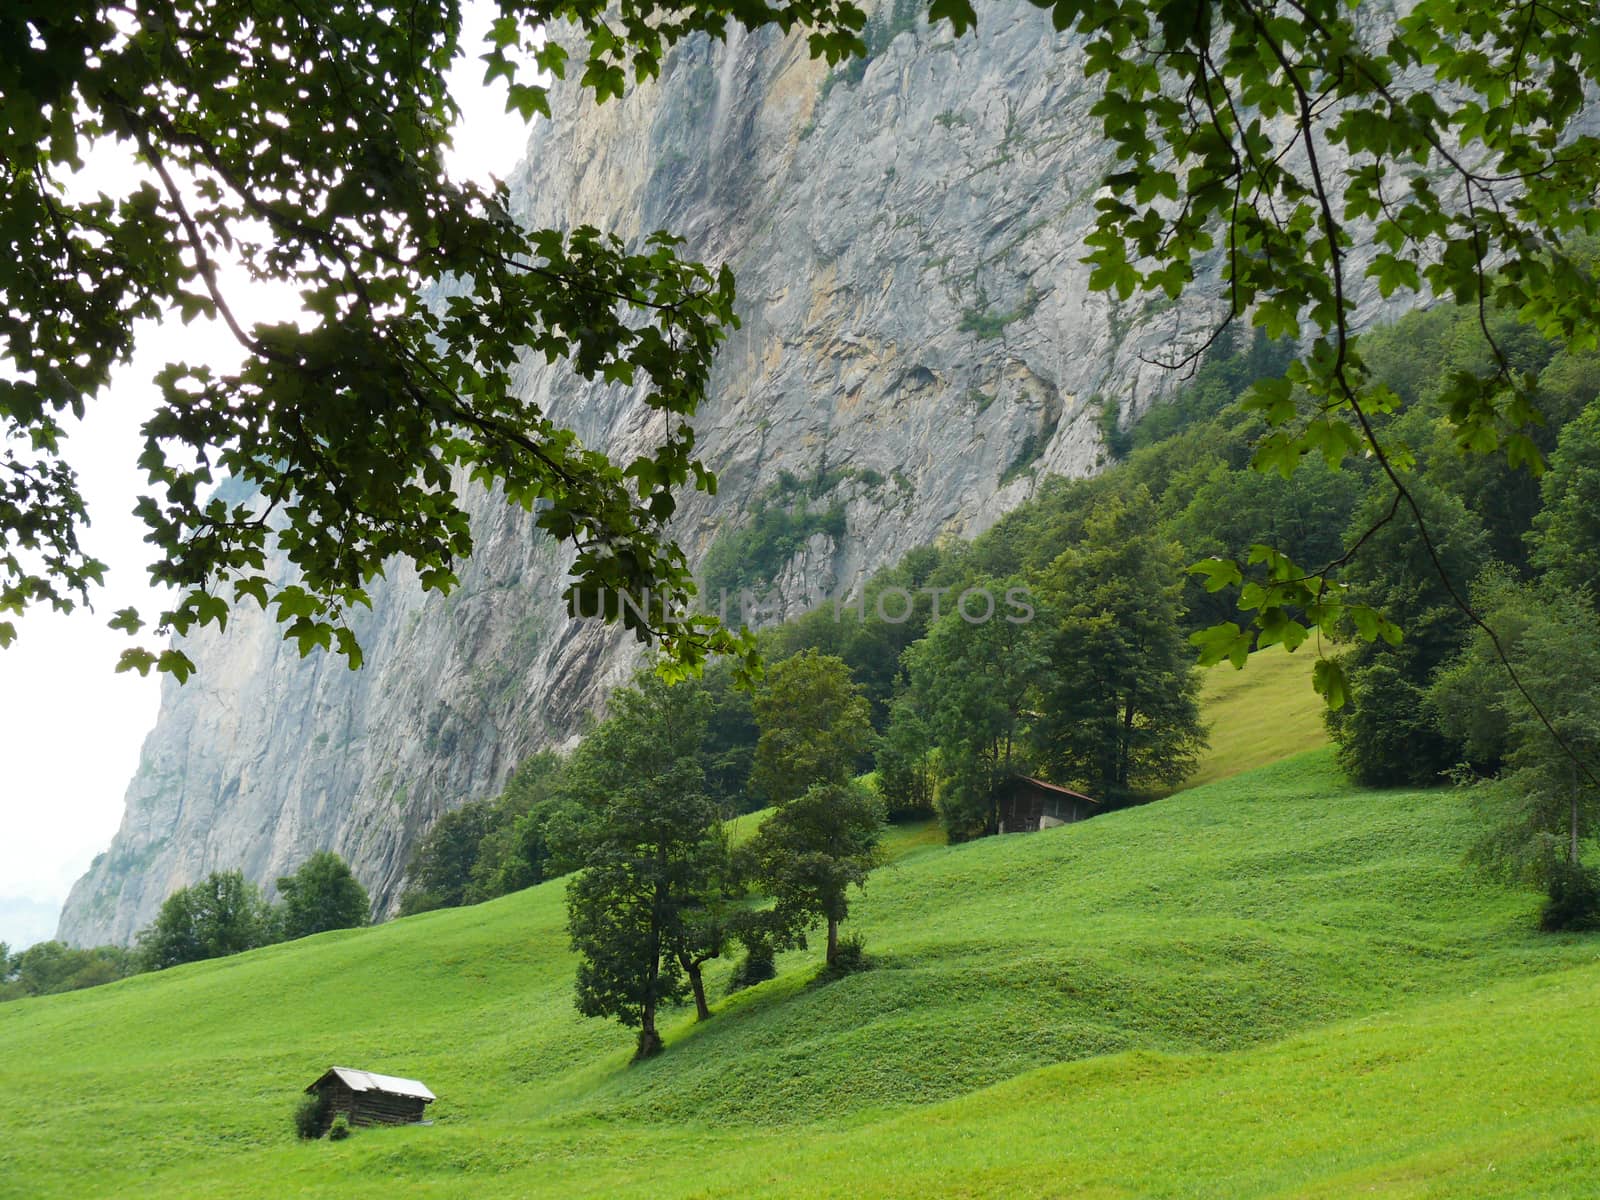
point(917, 331)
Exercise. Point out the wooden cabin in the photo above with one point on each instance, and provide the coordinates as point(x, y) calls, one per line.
point(367, 1098)
point(1028, 805)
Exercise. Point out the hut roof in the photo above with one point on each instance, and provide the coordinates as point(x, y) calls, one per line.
point(371, 1081)
point(1056, 788)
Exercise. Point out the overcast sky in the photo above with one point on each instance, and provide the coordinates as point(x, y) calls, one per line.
point(70, 729)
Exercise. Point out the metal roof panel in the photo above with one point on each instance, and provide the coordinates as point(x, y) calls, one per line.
point(371, 1081)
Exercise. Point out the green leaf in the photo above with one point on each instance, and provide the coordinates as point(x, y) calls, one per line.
point(959, 13)
point(1222, 641)
point(1329, 681)
point(1219, 573)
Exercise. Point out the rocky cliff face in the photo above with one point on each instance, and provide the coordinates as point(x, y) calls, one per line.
point(919, 346)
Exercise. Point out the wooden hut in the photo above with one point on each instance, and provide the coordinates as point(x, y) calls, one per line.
point(367, 1098)
point(1028, 805)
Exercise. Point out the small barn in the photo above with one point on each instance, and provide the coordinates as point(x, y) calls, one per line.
point(1028, 805)
point(367, 1098)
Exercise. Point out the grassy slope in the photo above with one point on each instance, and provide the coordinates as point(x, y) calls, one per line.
point(1258, 715)
point(1099, 1009)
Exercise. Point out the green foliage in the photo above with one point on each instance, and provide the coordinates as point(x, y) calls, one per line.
point(755, 967)
point(1387, 735)
point(653, 902)
point(730, 745)
point(369, 411)
point(1545, 808)
point(440, 872)
point(322, 894)
point(1028, 453)
point(781, 521)
point(872, 632)
point(976, 686)
point(815, 726)
point(1574, 899)
point(1397, 574)
point(848, 959)
point(984, 323)
point(1205, 103)
point(223, 914)
point(887, 22)
point(1117, 711)
point(808, 855)
point(1117, 440)
point(487, 848)
point(1237, 360)
point(906, 774)
point(47, 968)
point(340, 1129)
point(517, 849)
point(310, 1115)
point(1566, 533)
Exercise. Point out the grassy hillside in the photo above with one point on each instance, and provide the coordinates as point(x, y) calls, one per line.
point(1259, 715)
point(1099, 1009)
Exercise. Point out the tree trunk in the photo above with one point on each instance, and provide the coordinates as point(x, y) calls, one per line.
point(1572, 850)
point(701, 1012)
point(833, 940)
point(649, 1041)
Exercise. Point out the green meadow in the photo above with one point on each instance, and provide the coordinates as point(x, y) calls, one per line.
point(1269, 985)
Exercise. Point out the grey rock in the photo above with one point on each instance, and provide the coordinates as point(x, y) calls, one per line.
point(907, 251)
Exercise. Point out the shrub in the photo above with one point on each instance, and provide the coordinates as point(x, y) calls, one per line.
point(850, 958)
point(757, 966)
point(339, 1130)
point(1574, 898)
point(310, 1115)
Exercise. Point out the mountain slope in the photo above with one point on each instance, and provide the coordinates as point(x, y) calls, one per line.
point(917, 344)
point(1120, 985)
point(919, 347)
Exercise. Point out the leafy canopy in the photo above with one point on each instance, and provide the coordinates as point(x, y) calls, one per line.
point(650, 905)
point(305, 141)
point(322, 894)
point(1435, 152)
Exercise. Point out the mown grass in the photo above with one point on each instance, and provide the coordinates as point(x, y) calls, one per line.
point(1273, 985)
point(1259, 715)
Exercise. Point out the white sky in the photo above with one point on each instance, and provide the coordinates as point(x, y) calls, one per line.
point(70, 728)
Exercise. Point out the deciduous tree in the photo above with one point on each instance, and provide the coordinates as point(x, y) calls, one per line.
point(649, 907)
point(809, 854)
point(1118, 709)
point(816, 726)
point(977, 686)
point(322, 894)
point(222, 914)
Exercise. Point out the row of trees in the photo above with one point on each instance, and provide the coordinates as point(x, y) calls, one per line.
point(46, 968)
point(1098, 690)
point(222, 914)
point(1094, 688)
point(226, 914)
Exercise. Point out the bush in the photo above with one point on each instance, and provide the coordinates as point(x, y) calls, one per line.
point(1574, 899)
point(310, 1115)
point(755, 967)
point(850, 958)
point(339, 1130)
